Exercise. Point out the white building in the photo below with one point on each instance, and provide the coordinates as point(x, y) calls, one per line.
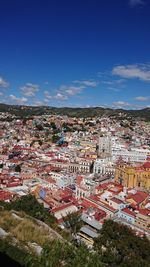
point(103, 166)
point(132, 155)
point(62, 180)
point(85, 187)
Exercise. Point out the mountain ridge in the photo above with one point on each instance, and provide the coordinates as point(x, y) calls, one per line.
point(24, 111)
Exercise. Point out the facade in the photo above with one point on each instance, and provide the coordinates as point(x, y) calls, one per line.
point(104, 148)
point(127, 215)
point(117, 203)
point(110, 211)
point(133, 177)
point(143, 219)
point(84, 187)
point(103, 166)
point(28, 174)
point(133, 155)
point(83, 167)
point(61, 212)
point(62, 180)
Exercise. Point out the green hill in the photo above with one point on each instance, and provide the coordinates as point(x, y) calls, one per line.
point(24, 111)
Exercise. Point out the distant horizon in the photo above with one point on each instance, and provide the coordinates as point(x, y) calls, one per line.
point(91, 107)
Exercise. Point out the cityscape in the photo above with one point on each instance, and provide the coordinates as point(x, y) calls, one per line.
point(96, 168)
point(75, 137)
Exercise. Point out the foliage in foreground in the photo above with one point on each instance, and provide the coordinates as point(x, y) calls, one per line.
point(73, 222)
point(53, 254)
point(30, 206)
point(23, 229)
point(118, 245)
point(17, 253)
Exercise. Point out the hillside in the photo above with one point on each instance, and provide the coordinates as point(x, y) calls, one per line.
point(24, 111)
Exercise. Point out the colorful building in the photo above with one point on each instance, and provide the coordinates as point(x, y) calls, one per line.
point(127, 214)
point(131, 177)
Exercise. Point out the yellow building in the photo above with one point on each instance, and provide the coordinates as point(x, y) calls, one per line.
point(130, 176)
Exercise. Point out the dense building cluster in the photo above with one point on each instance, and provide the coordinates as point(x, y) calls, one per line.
point(97, 167)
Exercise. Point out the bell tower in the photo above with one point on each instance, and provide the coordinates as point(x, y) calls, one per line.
point(104, 149)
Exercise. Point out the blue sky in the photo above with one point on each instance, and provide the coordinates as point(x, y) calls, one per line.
point(77, 53)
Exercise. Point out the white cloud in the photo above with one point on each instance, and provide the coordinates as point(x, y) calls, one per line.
point(116, 82)
point(60, 96)
point(121, 104)
point(73, 90)
point(142, 98)
point(66, 91)
point(17, 100)
point(29, 89)
point(3, 83)
point(1, 94)
point(138, 71)
point(88, 83)
point(47, 95)
point(134, 3)
point(114, 85)
point(38, 103)
point(70, 90)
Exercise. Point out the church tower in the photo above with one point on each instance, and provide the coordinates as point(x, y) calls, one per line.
point(104, 149)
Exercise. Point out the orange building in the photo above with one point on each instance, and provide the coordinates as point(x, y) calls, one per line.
point(130, 176)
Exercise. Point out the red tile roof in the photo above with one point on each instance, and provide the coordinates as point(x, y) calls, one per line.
point(100, 203)
point(87, 204)
point(129, 212)
point(138, 197)
point(117, 200)
point(145, 212)
point(62, 207)
point(102, 186)
point(146, 165)
point(5, 195)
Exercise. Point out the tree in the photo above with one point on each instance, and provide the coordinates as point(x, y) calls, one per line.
point(39, 127)
point(30, 205)
point(17, 253)
point(56, 254)
point(53, 125)
point(119, 246)
point(40, 142)
point(55, 138)
point(18, 168)
point(73, 222)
